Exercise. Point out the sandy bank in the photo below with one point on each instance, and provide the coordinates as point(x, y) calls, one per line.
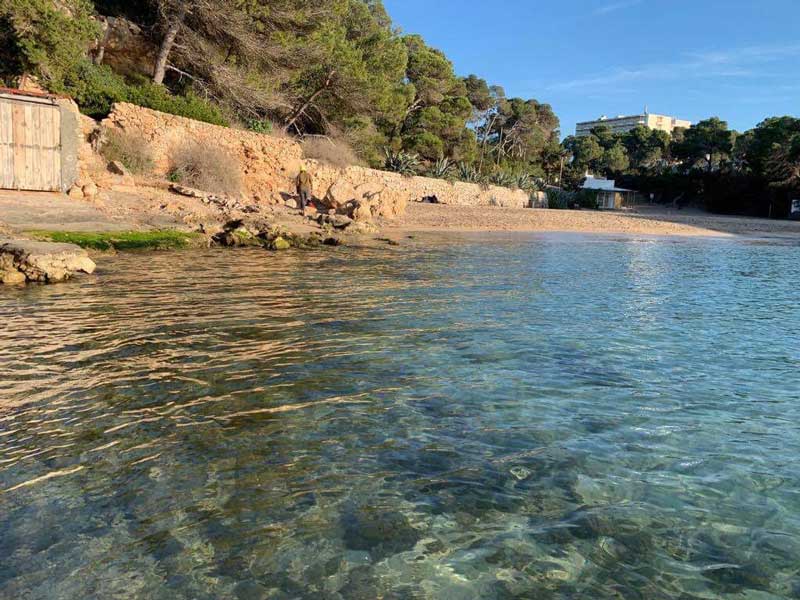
point(436, 217)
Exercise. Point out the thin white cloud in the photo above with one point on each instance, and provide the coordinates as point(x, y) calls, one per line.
point(615, 6)
point(735, 62)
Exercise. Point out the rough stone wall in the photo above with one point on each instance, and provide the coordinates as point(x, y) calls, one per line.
point(417, 188)
point(270, 163)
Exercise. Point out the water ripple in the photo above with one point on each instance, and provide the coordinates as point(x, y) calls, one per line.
point(465, 417)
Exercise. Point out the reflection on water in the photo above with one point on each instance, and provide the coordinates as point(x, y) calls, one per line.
point(535, 417)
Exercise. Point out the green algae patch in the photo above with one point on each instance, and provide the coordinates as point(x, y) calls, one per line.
point(165, 239)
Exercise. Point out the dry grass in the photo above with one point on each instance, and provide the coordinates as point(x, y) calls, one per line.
point(130, 149)
point(206, 168)
point(336, 153)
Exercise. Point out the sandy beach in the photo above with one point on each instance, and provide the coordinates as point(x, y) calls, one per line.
point(646, 221)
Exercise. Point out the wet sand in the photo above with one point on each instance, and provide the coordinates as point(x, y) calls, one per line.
point(648, 221)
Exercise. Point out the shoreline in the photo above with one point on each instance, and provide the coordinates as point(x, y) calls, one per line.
point(651, 221)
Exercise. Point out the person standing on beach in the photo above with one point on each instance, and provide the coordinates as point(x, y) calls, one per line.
point(305, 185)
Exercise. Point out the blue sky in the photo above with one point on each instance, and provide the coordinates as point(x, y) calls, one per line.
point(736, 59)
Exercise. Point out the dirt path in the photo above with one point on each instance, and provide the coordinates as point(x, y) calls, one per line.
point(52, 211)
point(437, 217)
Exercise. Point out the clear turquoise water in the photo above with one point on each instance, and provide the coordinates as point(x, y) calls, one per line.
point(468, 417)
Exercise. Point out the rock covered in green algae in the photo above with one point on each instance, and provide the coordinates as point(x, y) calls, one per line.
point(239, 234)
point(279, 243)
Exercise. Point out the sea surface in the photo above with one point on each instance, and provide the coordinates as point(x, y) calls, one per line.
point(457, 417)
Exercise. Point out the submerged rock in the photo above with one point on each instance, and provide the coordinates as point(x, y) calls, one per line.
point(379, 531)
point(27, 260)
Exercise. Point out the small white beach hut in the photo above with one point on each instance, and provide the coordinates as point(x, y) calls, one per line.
point(609, 196)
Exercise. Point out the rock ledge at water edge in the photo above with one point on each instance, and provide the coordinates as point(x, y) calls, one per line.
point(46, 262)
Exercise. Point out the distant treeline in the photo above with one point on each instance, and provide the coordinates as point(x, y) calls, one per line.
point(342, 69)
point(755, 173)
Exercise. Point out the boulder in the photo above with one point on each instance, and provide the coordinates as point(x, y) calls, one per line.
point(362, 211)
point(369, 191)
point(26, 260)
point(117, 168)
point(186, 191)
point(90, 190)
point(339, 194)
point(335, 221)
point(11, 277)
point(391, 204)
point(75, 192)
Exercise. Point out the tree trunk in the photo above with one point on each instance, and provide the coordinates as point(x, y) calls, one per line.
point(167, 43)
point(299, 112)
point(101, 48)
point(486, 133)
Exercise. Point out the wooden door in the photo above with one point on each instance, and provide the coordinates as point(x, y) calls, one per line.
point(30, 145)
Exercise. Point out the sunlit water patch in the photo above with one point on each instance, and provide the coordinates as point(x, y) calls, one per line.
point(470, 417)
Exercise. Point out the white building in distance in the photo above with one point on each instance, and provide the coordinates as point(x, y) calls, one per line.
point(623, 124)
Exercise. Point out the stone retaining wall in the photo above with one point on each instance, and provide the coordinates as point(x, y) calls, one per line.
point(270, 163)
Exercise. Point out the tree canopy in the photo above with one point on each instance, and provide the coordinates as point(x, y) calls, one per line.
point(341, 68)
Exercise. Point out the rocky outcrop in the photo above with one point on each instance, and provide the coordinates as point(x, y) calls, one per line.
point(124, 47)
point(263, 234)
point(339, 195)
point(355, 208)
point(46, 262)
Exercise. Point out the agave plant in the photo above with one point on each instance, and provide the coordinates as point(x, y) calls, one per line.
point(525, 182)
point(529, 183)
point(468, 173)
point(400, 161)
point(503, 179)
point(441, 168)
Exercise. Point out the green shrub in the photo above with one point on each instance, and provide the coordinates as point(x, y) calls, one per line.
point(586, 199)
point(45, 38)
point(191, 106)
point(130, 149)
point(559, 199)
point(263, 126)
point(97, 88)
